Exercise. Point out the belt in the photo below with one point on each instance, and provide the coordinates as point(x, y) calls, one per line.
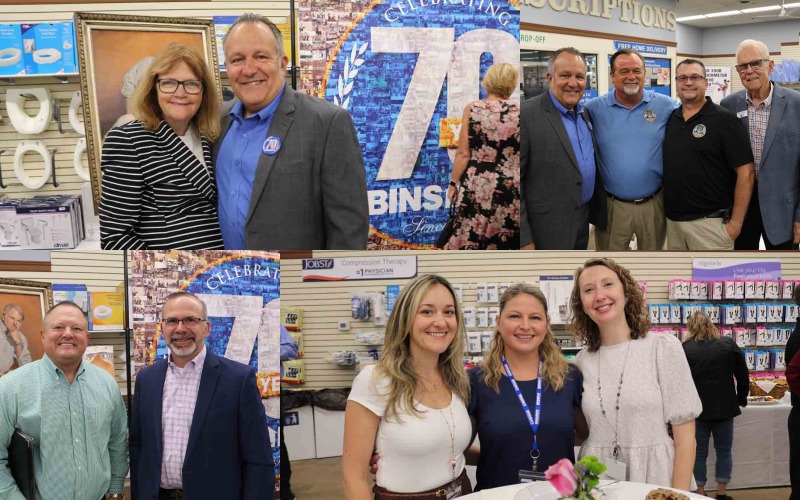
point(719, 213)
point(170, 494)
point(637, 201)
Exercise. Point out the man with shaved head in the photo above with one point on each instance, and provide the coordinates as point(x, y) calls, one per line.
point(771, 114)
point(73, 411)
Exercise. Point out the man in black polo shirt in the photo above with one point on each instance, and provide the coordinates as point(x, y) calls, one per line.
point(708, 168)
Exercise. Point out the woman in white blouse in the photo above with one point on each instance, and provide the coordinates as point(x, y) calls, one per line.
point(634, 382)
point(410, 407)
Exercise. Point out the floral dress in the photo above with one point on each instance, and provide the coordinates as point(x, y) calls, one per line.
point(487, 204)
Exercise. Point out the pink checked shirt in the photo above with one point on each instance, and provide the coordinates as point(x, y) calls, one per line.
point(180, 397)
point(758, 118)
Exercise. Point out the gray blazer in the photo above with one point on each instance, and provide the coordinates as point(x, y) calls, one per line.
point(551, 180)
point(311, 194)
point(779, 174)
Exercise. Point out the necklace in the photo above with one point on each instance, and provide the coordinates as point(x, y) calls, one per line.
point(452, 432)
point(615, 445)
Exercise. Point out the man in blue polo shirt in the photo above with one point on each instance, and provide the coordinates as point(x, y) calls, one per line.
point(561, 192)
point(629, 125)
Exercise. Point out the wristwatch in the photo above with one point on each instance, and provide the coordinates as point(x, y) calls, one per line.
point(453, 183)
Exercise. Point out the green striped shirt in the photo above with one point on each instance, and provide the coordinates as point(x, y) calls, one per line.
point(80, 431)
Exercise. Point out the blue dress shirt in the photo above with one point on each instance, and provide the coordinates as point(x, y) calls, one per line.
point(581, 138)
point(236, 165)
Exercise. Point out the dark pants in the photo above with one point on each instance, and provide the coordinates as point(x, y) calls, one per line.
point(722, 430)
point(286, 472)
point(794, 452)
point(753, 229)
point(582, 238)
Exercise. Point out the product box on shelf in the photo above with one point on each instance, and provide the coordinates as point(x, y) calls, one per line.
point(76, 293)
point(750, 358)
point(777, 359)
point(11, 63)
point(10, 233)
point(49, 48)
point(107, 310)
point(46, 224)
point(772, 289)
point(762, 361)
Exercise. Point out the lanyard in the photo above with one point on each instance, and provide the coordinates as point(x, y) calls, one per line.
point(533, 420)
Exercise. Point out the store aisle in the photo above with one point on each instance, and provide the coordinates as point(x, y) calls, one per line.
point(307, 482)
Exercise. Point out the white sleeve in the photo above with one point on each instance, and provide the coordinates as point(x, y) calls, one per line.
point(365, 391)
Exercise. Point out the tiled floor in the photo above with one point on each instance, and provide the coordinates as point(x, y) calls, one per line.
point(322, 480)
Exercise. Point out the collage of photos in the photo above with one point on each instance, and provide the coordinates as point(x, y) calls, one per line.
point(400, 250)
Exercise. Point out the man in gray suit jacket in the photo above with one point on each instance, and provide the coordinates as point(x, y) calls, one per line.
point(289, 170)
point(561, 188)
point(772, 116)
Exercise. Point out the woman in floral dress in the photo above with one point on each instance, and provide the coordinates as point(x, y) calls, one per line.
point(484, 185)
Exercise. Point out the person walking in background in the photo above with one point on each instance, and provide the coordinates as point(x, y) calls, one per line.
point(288, 352)
point(484, 185)
point(792, 348)
point(715, 361)
point(635, 382)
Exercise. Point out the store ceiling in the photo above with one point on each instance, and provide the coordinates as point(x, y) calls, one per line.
point(686, 8)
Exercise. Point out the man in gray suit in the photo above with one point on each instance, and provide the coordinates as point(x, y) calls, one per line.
point(772, 116)
point(288, 166)
point(561, 189)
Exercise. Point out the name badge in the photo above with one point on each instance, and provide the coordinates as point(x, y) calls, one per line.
point(527, 476)
point(616, 469)
point(271, 145)
point(741, 114)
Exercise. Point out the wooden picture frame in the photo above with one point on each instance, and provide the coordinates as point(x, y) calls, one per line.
point(112, 52)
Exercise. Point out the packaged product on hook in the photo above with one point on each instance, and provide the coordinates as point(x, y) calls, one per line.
point(360, 306)
point(379, 308)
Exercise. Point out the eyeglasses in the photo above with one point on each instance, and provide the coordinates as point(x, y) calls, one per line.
point(693, 78)
point(189, 322)
point(169, 86)
point(755, 65)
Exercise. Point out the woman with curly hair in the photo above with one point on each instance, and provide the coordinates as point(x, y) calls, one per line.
point(410, 407)
point(524, 356)
point(714, 362)
point(635, 383)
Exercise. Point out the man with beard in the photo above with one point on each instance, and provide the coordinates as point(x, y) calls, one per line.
point(198, 427)
point(708, 168)
point(629, 125)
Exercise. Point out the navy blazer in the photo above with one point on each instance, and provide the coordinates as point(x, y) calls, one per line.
point(228, 454)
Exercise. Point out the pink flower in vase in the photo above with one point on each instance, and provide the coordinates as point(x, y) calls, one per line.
point(562, 476)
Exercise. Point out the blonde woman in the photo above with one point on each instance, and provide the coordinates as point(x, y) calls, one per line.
point(484, 184)
point(410, 406)
point(524, 354)
point(158, 189)
point(634, 382)
point(715, 361)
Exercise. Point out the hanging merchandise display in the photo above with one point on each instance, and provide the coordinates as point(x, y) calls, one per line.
point(11, 50)
point(22, 122)
point(36, 146)
point(74, 104)
point(77, 157)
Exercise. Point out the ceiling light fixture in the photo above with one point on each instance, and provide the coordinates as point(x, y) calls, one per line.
point(723, 14)
point(690, 18)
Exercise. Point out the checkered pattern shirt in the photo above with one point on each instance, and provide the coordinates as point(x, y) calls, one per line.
point(179, 399)
point(758, 117)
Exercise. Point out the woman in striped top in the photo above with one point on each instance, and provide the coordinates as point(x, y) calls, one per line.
point(158, 189)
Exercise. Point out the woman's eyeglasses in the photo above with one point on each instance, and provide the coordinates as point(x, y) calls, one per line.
point(169, 86)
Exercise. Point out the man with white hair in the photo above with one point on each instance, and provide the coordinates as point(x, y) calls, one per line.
point(772, 116)
point(13, 343)
point(629, 125)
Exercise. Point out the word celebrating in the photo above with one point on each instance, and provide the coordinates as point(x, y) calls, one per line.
point(407, 6)
point(226, 275)
point(630, 11)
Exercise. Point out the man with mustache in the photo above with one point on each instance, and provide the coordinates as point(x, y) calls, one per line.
point(288, 166)
point(629, 125)
point(13, 343)
point(73, 411)
point(771, 114)
point(198, 427)
point(560, 190)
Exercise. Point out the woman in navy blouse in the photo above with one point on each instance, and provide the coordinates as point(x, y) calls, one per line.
point(524, 354)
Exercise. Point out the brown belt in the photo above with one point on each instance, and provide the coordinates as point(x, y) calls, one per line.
point(434, 494)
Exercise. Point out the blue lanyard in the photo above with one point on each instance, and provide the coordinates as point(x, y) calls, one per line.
point(533, 420)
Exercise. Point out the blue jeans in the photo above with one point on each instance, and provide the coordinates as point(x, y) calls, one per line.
point(722, 431)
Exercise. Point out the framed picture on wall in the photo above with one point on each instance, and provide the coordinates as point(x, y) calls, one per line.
point(23, 305)
point(114, 53)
